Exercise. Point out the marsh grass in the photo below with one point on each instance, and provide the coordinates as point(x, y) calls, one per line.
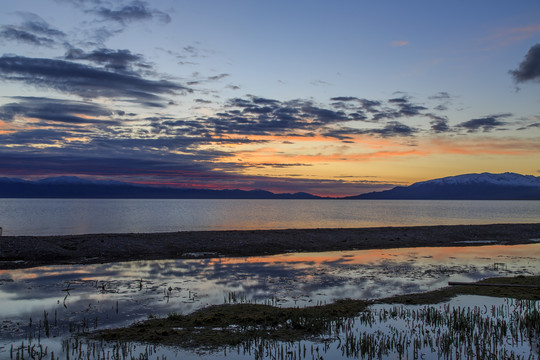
point(401, 327)
point(265, 329)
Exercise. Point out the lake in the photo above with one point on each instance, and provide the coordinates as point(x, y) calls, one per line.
point(86, 216)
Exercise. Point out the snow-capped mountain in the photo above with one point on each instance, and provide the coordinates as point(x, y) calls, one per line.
point(485, 186)
point(505, 179)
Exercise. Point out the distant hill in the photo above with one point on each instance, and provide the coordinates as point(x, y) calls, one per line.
point(74, 187)
point(485, 186)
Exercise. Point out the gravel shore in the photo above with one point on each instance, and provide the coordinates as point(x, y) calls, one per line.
point(30, 251)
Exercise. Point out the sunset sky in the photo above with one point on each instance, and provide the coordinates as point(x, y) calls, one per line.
point(330, 98)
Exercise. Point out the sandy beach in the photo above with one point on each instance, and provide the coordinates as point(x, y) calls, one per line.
point(30, 251)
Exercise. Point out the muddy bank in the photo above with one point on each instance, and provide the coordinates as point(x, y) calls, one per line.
point(29, 251)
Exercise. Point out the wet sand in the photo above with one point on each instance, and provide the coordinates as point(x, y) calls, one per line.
point(30, 251)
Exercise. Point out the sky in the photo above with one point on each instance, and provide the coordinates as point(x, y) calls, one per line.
point(330, 98)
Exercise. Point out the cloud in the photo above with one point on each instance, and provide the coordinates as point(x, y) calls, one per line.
point(135, 11)
point(55, 110)
point(510, 36)
point(177, 170)
point(261, 116)
point(365, 104)
point(208, 79)
point(15, 34)
point(399, 43)
point(113, 60)
point(444, 100)
point(86, 81)
point(392, 109)
point(529, 69)
point(32, 163)
point(345, 98)
point(218, 77)
point(320, 83)
point(486, 124)
point(251, 115)
point(393, 128)
point(33, 137)
point(34, 31)
point(439, 124)
point(441, 96)
point(406, 108)
point(37, 25)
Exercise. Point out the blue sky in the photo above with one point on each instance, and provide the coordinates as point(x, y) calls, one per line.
point(329, 98)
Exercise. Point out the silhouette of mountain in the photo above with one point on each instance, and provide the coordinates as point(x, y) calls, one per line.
point(74, 187)
point(485, 186)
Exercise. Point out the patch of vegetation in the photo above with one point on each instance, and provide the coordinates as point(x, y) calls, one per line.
point(445, 294)
point(233, 324)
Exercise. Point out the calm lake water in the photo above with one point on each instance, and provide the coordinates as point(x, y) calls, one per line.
point(84, 216)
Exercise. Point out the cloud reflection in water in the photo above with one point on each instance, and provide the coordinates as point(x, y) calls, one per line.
point(120, 293)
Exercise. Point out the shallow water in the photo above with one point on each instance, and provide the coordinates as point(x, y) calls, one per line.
point(84, 297)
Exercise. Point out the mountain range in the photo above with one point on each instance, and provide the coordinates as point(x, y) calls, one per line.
point(485, 186)
point(74, 187)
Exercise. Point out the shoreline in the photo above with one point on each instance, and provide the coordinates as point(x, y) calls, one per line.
point(32, 251)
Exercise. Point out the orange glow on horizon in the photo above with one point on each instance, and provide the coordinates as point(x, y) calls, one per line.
point(352, 257)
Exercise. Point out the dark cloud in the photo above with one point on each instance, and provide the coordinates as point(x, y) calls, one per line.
point(529, 126)
point(441, 96)
point(343, 134)
point(31, 163)
point(135, 11)
point(32, 137)
point(486, 124)
point(37, 25)
point(439, 124)
point(218, 77)
point(14, 34)
point(34, 31)
point(86, 81)
point(113, 60)
point(406, 108)
point(262, 116)
point(350, 104)
point(392, 128)
point(263, 101)
point(345, 98)
point(208, 79)
point(181, 170)
point(370, 105)
point(529, 69)
point(324, 116)
point(281, 165)
point(81, 3)
point(55, 110)
point(365, 104)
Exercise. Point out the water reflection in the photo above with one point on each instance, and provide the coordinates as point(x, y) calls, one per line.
point(105, 295)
